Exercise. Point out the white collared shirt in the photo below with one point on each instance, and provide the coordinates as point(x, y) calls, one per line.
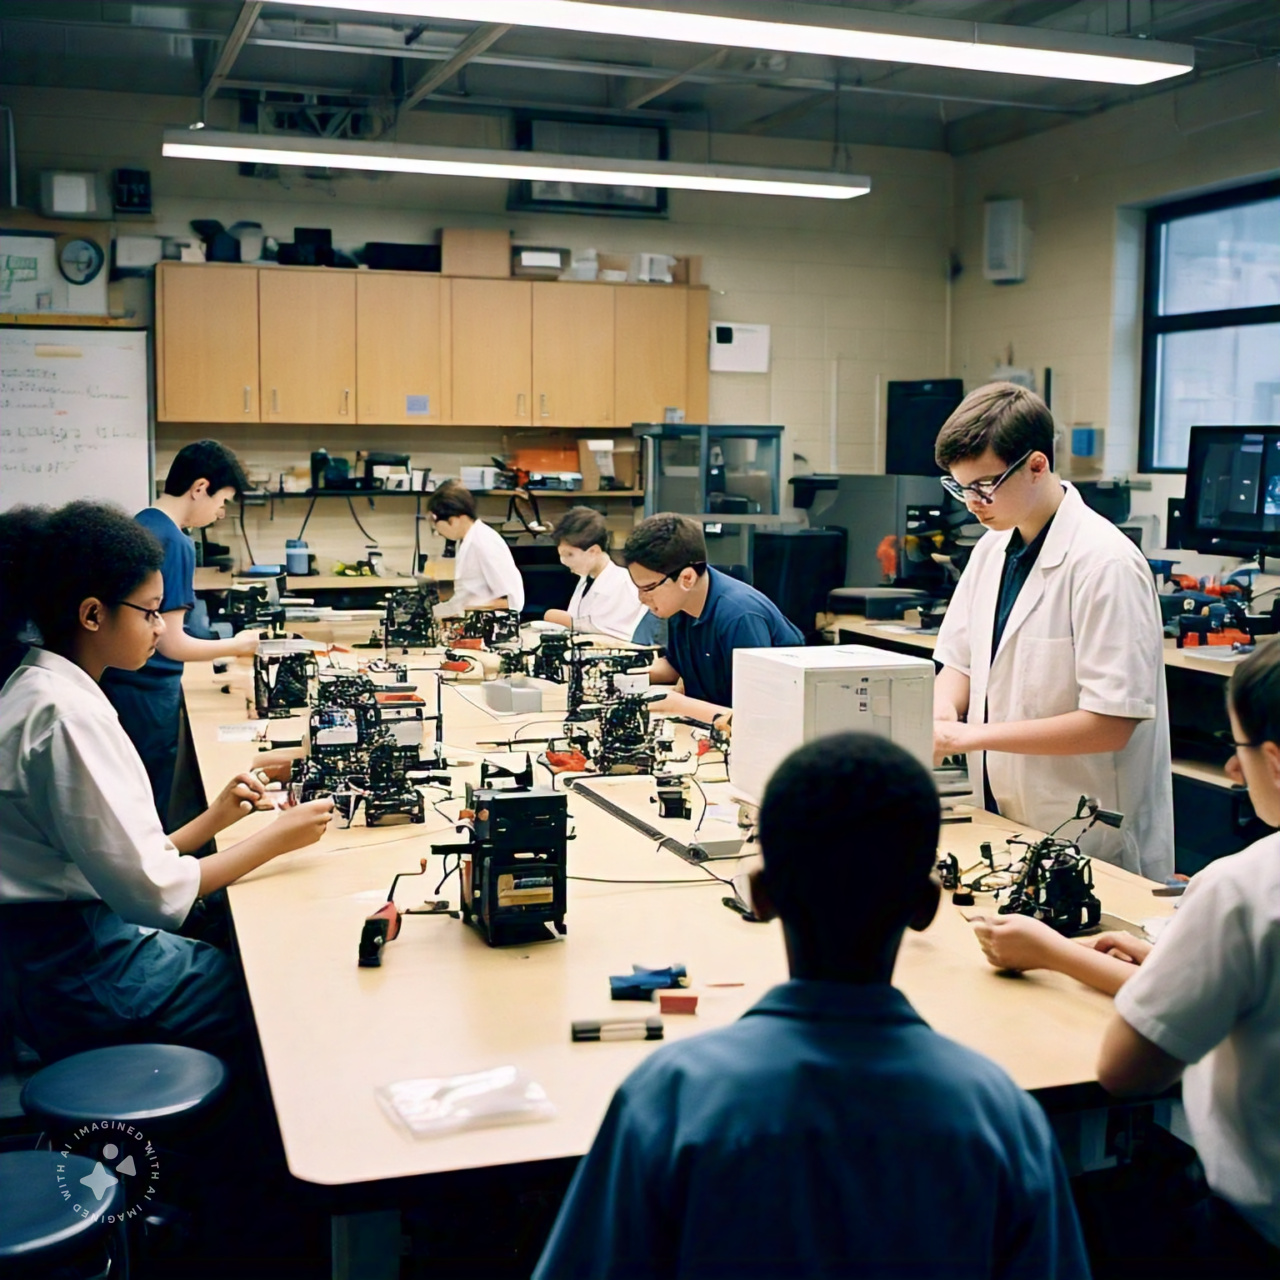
point(485, 570)
point(611, 606)
point(1209, 995)
point(76, 810)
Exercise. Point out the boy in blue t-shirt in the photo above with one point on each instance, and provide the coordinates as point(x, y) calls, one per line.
point(204, 477)
point(830, 1131)
point(711, 615)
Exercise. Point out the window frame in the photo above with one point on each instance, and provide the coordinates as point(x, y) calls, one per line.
point(1155, 326)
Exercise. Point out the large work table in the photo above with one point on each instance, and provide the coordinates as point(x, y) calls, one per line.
point(444, 1003)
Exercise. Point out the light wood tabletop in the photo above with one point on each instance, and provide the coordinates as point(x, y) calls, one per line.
point(444, 1003)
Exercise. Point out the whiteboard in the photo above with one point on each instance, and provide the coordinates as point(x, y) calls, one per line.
point(74, 417)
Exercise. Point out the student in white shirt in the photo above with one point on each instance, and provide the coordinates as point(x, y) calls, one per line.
point(92, 890)
point(1202, 1004)
point(605, 600)
point(1052, 648)
point(485, 575)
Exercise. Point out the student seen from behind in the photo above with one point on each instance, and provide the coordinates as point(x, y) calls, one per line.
point(1202, 1005)
point(203, 478)
point(828, 1132)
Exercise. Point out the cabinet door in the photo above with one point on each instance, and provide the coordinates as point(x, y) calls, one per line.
point(400, 320)
point(492, 352)
point(573, 355)
point(207, 348)
point(307, 320)
point(650, 352)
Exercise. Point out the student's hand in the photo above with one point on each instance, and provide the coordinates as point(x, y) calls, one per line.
point(1118, 943)
point(240, 796)
point(1017, 942)
point(951, 738)
point(302, 824)
point(245, 644)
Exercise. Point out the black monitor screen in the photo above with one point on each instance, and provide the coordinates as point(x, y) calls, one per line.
point(915, 414)
point(1233, 488)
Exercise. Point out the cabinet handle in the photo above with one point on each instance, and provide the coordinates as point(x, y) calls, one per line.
point(346, 399)
point(520, 405)
point(275, 400)
point(246, 399)
point(546, 413)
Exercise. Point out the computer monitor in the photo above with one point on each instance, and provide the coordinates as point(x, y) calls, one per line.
point(1232, 501)
point(915, 412)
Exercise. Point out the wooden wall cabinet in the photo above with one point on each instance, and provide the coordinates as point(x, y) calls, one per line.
point(492, 352)
point(307, 345)
point(651, 371)
point(206, 343)
point(573, 384)
point(403, 360)
point(324, 347)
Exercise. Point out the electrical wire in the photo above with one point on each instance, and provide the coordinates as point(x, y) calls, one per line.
point(702, 817)
point(515, 737)
point(368, 537)
point(697, 884)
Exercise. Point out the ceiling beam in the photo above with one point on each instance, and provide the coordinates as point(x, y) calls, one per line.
point(787, 115)
point(476, 43)
point(244, 24)
point(632, 71)
point(657, 90)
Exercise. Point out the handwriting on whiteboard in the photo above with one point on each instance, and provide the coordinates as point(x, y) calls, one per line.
point(74, 419)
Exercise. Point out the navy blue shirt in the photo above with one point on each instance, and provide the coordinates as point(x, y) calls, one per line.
point(179, 570)
point(1019, 559)
point(829, 1132)
point(735, 616)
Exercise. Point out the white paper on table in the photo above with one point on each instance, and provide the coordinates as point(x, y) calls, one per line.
point(247, 731)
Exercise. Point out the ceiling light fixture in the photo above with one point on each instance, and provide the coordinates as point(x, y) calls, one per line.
point(529, 166)
point(830, 32)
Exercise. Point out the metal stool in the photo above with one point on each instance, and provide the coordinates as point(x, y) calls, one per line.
point(116, 1106)
point(52, 1221)
point(139, 1084)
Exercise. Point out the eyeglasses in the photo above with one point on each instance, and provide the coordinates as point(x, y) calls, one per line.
point(1224, 738)
point(650, 587)
point(152, 615)
point(983, 491)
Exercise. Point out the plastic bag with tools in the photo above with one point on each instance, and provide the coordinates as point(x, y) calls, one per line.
point(446, 1104)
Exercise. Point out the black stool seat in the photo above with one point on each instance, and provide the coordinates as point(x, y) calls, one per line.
point(36, 1223)
point(133, 1082)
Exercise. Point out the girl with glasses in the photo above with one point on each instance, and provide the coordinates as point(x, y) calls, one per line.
point(92, 890)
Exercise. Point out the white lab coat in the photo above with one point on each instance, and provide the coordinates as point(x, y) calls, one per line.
point(485, 570)
point(1085, 633)
point(612, 607)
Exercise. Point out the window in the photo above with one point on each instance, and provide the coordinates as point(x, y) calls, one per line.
point(1211, 319)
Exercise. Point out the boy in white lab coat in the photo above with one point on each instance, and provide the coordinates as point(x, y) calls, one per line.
point(1052, 650)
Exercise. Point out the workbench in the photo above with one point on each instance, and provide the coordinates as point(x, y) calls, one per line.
point(443, 1002)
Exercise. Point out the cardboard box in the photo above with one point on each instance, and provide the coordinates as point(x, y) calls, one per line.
point(468, 251)
point(626, 462)
point(687, 270)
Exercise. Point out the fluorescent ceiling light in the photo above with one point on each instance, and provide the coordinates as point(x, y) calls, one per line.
point(831, 32)
point(529, 166)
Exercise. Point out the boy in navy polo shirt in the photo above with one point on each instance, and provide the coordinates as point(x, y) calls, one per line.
point(204, 477)
point(829, 1132)
point(711, 615)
